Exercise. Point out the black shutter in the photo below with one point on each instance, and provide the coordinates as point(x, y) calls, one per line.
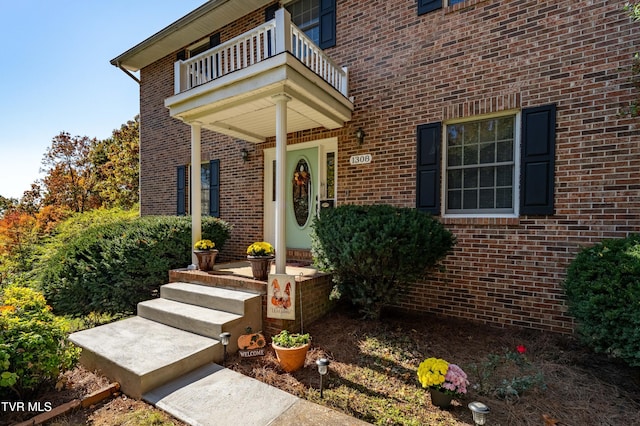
point(182, 55)
point(214, 188)
point(182, 187)
point(538, 160)
point(429, 138)
point(327, 23)
point(425, 6)
point(270, 12)
point(214, 40)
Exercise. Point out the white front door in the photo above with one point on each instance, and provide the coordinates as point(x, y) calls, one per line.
point(311, 179)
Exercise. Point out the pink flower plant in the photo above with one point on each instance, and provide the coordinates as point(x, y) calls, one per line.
point(455, 380)
point(521, 349)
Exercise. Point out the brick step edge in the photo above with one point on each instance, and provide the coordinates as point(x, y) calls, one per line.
point(87, 401)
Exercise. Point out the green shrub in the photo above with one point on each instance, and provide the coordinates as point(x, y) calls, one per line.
point(373, 251)
point(111, 267)
point(34, 349)
point(603, 293)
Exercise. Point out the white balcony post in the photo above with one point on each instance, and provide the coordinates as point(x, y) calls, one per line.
point(177, 77)
point(344, 88)
point(281, 167)
point(283, 30)
point(195, 185)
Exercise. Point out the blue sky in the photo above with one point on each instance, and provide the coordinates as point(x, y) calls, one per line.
point(55, 73)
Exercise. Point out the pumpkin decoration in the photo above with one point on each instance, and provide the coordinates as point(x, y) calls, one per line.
point(250, 344)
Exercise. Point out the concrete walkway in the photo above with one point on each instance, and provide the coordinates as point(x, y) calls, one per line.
point(214, 395)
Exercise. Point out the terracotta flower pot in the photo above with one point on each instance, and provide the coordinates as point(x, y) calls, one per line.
point(206, 259)
point(291, 359)
point(260, 266)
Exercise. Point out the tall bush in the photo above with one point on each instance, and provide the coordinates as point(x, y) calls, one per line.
point(34, 349)
point(372, 251)
point(603, 293)
point(111, 267)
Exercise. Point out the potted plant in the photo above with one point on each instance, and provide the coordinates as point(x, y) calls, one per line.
point(206, 254)
point(260, 254)
point(291, 349)
point(445, 381)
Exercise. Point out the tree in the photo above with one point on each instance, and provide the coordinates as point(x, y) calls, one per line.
point(71, 176)
point(117, 159)
point(6, 204)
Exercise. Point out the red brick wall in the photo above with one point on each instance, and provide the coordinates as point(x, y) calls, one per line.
point(473, 58)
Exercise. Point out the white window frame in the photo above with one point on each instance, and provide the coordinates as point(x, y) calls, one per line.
point(516, 168)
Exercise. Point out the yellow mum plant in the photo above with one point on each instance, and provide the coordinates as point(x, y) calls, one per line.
point(204, 245)
point(261, 248)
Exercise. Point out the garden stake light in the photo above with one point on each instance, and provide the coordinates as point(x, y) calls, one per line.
point(323, 369)
point(479, 411)
point(224, 339)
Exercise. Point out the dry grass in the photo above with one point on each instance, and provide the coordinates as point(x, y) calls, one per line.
point(372, 374)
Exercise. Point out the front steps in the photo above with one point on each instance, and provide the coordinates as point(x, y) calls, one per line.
point(170, 337)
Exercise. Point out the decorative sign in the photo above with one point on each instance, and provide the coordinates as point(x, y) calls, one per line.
point(360, 159)
point(251, 344)
point(281, 300)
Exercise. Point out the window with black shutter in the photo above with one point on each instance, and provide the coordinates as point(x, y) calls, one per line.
point(481, 164)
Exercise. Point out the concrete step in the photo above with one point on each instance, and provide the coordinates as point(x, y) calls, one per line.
point(222, 299)
point(142, 354)
point(195, 319)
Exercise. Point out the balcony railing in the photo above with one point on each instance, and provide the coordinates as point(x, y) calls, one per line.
point(269, 39)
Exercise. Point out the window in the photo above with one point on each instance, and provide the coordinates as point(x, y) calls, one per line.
point(425, 6)
point(481, 166)
point(306, 15)
point(317, 18)
point(209, 191)
point(500, 165)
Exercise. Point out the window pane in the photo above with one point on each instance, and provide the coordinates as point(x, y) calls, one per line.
point(455, 179)
point(504, 176)
point(331, 174)
point(505, 151)
point(205, 179)
point(455, 156)
point(486, 198)
point(454, 200)
point(471, 178)
point(504, 198)
point(470, 199)
point(454, 134)
point(488, 131)
point(470, 154)
point(487, 177)
point(505, 128)
point(487, 153)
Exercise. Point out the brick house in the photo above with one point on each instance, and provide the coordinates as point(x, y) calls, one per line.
point(499, 116)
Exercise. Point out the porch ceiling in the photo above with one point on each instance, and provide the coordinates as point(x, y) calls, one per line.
point(241, 104)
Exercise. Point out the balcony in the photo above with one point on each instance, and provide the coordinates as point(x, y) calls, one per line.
point(232, 88)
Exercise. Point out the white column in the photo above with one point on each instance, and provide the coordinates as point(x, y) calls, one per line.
point(281, 168)
point(195, 185)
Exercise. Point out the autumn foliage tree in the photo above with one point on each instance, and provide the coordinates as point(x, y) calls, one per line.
point(117, 159)
point(71, 176)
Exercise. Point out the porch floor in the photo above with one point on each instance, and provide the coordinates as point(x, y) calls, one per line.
point(243, 269)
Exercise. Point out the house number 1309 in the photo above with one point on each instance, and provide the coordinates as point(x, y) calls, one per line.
point(360, 159)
